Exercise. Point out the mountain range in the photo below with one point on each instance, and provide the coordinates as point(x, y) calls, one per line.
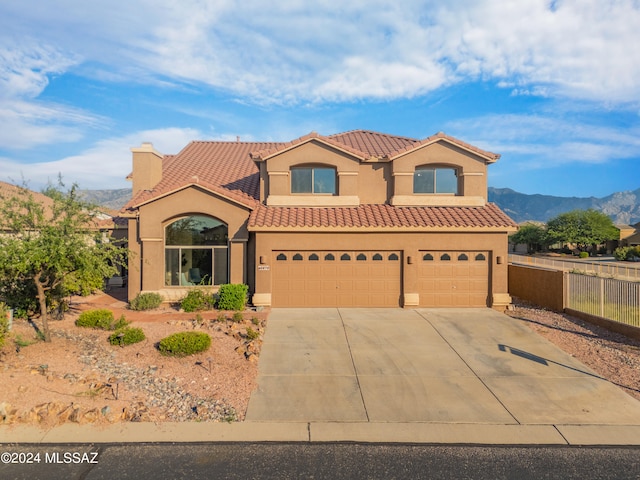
point(622, 207)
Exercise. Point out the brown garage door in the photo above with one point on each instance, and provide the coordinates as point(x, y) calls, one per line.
point(453, 279)
point(336, 279)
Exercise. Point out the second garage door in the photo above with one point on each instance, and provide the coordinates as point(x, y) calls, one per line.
point(336, 278)
point(453, 279)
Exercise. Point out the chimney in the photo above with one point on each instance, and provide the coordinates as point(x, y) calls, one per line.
point(147, 167)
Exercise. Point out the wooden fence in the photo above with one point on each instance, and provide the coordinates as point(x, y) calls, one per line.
point(612, 303)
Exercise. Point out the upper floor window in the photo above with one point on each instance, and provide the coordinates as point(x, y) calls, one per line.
point(435, 180)
point(320, 180)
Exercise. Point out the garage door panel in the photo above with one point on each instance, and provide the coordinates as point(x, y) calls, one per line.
point(337, 278)
point(453, 278)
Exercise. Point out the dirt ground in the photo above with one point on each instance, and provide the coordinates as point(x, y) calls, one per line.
point(80, 377)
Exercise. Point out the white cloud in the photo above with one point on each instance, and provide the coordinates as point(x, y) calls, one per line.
point(539, 141)
point(102, 166)
point(294, 50)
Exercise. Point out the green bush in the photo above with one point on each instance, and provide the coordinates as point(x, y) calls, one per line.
point(252, 334)
point(102, 319)
point(4, 323)
point(626, 253)
point(182, 344)
point(146, 301)
point(584, 254)
point(126, 336)
point(237, 317)
point(197, 300)
point(232, 296)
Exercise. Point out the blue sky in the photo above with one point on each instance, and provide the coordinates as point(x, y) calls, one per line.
point(553, 86)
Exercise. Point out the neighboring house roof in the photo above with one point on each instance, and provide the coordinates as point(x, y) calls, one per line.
point(379, 216)
point(102, 219)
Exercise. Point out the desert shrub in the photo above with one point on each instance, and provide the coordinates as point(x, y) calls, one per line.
point(4, 323)
point(146, 301)
point(182, 344)
point(252, 334)
point(232, 296)
point(626, 253)
point(196, 300)
point(237, 317)
point(584, 254)
point(126, 336)
point(121, 323)
point(101, 318)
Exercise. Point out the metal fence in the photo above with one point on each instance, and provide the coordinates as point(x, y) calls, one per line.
point(617, 300)
point(606, 269)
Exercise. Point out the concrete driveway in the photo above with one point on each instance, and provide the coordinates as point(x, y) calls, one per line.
point(470, 366)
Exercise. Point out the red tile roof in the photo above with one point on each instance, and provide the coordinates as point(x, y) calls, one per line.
point(228, 168)
point(222, 167)
point(379, 216)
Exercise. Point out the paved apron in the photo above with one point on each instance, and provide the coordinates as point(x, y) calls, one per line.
point(424, 365)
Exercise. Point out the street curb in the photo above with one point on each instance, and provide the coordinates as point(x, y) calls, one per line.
point(325, 432)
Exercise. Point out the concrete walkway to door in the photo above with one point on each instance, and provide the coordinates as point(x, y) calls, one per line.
point(343, 369)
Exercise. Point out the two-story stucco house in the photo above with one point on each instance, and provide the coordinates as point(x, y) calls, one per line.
point(353, 219)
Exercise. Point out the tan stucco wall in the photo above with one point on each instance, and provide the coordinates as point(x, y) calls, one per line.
point(410, 244)
point(472, 178)
point(364, 182)
point(148, 239)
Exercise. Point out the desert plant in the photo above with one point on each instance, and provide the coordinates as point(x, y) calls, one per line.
point(252, 334)
point(4, 323)
point(237, 317)
point(255, 320)
point(126, 336)
point(181, 344)
point(146, 301)
point(196, 300)
point(101, 318)
point(232, 296)
point(584, 254)
point(221, 318)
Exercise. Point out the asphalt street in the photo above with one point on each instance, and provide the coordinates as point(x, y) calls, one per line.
point(316, 461)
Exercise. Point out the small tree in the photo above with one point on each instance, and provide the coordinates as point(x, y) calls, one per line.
point(582, 227)
point(534, 236)
point(52, 247)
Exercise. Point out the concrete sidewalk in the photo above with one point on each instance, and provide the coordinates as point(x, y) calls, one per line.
point(436, 376)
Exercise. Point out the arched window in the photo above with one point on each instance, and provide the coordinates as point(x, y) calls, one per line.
point(361, 256)
point(427, 257)
point(345, 257)
point(445, 257)
point(314, 256)
point(463, 257)
point(393, 256)
point(377, 256)
point(297, 256)
point(435, 180)
point(196, 252)
point(281, 256)
point(480, 257)
point(329, 256)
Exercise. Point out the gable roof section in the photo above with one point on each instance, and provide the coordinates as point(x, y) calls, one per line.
point(378, 217)
point(220, 167)
point(440, 136)
point(261, 155)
